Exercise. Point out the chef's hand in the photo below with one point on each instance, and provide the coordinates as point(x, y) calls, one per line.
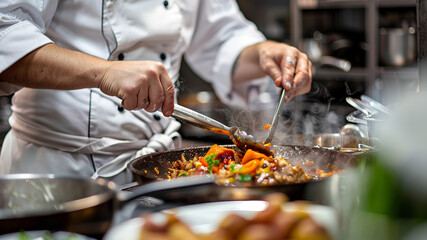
point(286, 65)
point(140, 85)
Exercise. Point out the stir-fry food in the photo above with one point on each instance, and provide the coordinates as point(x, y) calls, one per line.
point(273, 223)
point(233, 168)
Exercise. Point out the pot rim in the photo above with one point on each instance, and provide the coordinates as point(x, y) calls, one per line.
point(108, 193)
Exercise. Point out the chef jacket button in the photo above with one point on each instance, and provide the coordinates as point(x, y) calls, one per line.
point(121, 56)
point(162, 56)
point(157, 117)
point(120, 108)
point(166, 4)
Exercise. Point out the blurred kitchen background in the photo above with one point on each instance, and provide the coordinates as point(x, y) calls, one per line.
point(356, 46)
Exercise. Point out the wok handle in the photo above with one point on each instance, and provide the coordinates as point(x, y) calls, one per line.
point(175, 184)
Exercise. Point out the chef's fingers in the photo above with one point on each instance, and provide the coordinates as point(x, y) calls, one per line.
point(288, 65)
point(272, 69)
point(155, 93)
point(143, 98)
point(169, 94)
point(302, 80)
point(130, 102)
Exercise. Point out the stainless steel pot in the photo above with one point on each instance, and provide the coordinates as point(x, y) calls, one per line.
point(85, 206)
point(397, 46)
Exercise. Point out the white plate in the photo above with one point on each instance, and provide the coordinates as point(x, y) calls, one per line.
point(204, 218)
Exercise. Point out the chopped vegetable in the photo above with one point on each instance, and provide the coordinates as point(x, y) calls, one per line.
point(182, 174)
point(245, 178)
point(223, 154)
point(249, 168)
point(267, 126)
point(251, 155)
point(157, 171)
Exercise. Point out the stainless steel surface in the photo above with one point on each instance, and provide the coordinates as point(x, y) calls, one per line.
point(318, 53)
point(373, 125)
point(199, 120)
point(276, 117)
point(361, 106)
point(86, 206)
point(375, 104)
point(352, 130)
point(397, 46)
point(240, 138)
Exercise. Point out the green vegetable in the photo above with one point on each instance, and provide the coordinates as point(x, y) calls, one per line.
point(211, 162)
point(23, 236)
point(47, 236)
point(245, 178)
point(232, 167)
point(182, 174)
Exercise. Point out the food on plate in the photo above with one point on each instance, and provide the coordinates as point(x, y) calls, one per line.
point(233, 168)
point(272, 223)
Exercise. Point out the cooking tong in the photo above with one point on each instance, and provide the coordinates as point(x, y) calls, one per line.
point(240, 138)
point(276, 116)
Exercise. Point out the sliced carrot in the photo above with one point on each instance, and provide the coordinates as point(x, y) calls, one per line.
point(267, 126)
point(215, 169)
point(203, 161)
point(222, 153)
point(251, 155)
point(249, 168)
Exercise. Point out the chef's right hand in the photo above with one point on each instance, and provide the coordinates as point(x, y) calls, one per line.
point(140, 85)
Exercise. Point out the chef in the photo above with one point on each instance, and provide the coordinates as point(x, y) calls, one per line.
point(93, 81)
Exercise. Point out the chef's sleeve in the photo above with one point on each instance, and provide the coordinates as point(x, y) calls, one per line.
point(22, 27)
point(222, 32)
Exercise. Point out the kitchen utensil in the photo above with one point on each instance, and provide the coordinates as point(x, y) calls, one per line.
point(352, 130)
point(242, 140)
point(361, 106)
point(373, 124)
point(375, 104)
point(85, 206)
point(318, 53)
point(276, 116)
point(143, 169)
point(397, 46)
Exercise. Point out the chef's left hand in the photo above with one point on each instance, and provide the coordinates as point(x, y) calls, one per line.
point(286, 65)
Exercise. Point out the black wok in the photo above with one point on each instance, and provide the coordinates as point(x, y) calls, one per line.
point(85, 206)
point(145, 170)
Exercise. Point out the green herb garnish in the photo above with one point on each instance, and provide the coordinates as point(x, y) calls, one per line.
point(211, 162)
point(182, 174)
point(232, 167)
point(245, 178)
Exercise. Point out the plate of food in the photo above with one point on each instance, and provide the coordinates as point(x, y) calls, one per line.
point(272, 218)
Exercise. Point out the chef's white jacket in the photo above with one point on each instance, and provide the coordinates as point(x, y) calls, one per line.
point(85, 132)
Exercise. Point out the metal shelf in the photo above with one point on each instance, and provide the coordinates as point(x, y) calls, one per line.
point(397, 3)
point(356, 73)
point(330, 4)
point(325, 4)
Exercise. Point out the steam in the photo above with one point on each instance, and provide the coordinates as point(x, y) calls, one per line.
point(307, 114)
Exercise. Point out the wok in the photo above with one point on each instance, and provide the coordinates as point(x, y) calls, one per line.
point(85, 206)
point(145, 169)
